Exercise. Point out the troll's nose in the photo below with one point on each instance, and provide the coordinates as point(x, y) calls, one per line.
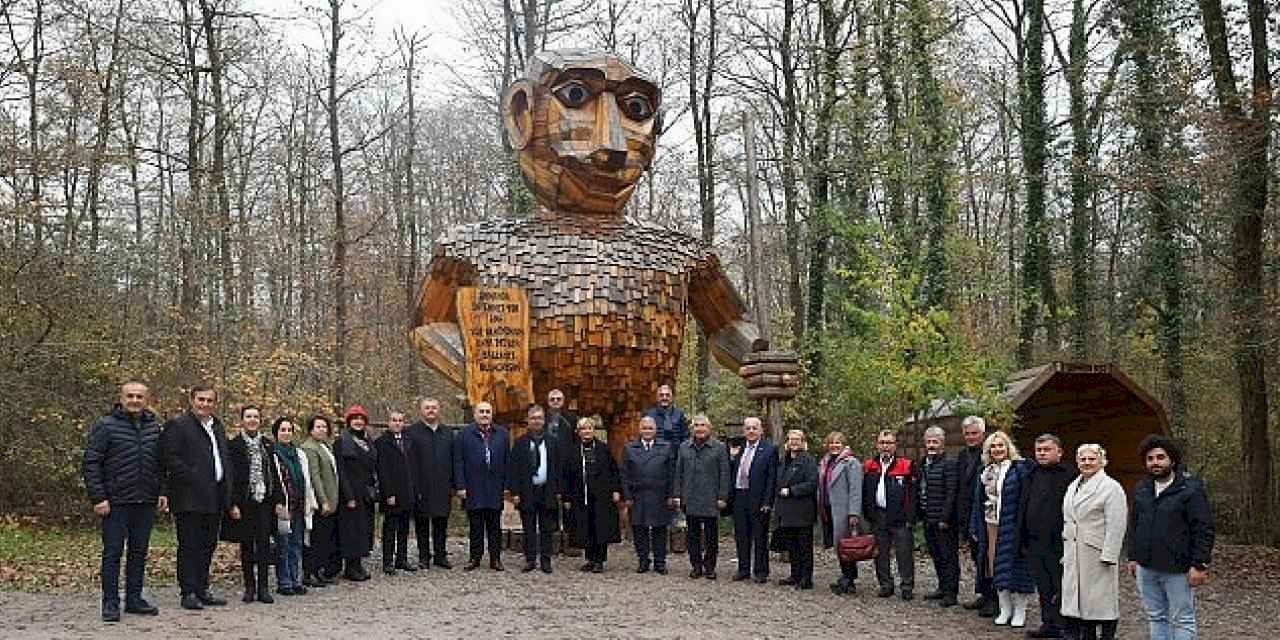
point(609, 139)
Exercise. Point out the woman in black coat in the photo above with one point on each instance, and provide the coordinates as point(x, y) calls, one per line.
point(357, 493)
point(591, 491)
point(797, 508)
point(256, 496)
point(396, 492)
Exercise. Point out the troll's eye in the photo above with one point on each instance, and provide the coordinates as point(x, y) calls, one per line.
point(573, 94)
point(636, 106)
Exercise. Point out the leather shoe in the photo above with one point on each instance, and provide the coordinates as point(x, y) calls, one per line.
point(190, 601)
point(710, 574)
point(933, 595)
point(1044, 632)
point(546, 568)
point(141, 607)
point(528, 566)
point(947, 601)
point(249, 595)
point(472, 565)
point(884, 592)
point(989, 610)
point(660, 569)
point(597, 567)
point(587, 567)
point(209, 600)
point(424, 565)
point(787, 582)
point(760, 579)
point(443, 564)
point(405, 566)
point(264, 596)
point(644, 568)
point(907, 596)
point(975, 604)
point(496, 565)
point(695, 572)
point(804, 586)
point(739, 577)
point(388, 570)
point(111, 612)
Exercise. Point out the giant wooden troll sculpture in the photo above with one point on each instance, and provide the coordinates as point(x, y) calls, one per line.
point(607, 299)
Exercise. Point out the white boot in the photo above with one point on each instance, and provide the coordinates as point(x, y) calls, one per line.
point(1006, 607)
point(1019, 619)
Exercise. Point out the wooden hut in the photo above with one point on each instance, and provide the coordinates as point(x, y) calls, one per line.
point(1078, 402)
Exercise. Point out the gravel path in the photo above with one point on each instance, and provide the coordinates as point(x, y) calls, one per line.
point(569, 604)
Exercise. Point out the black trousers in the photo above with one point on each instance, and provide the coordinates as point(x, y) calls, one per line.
point(702, 540)
point(647, 539)
point(799, 541)
point(197, 538)
point(751, 534)
point(982, 583)
point(129, 523)
point(895, 541)
point(1046, 570)
point(431, 532)
point(322, 553)
point(395, 538)
point(538, 522)
point(257, 521)
point(597, 550)
point(944, 549)
point(485, 525)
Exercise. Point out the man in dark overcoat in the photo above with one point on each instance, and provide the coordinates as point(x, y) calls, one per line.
point(199, 477)
point(591, 491)
point(480, 458)
point(648, 468)
point(396, 493)
point(969, 465)
point(432, 447)
point(535, 488)
point(1040, 530)
point(701, 490)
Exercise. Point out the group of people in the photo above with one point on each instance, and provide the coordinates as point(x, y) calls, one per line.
point(304, 501)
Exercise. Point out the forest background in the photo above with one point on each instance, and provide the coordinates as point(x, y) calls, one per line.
point(943, 191)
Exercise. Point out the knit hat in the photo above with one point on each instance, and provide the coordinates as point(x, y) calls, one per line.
point(353, 411)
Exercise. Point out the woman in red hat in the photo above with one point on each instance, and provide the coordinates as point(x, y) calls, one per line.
point(357, 492)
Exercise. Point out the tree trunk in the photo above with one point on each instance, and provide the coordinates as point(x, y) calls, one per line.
point(213, 48)
point(937, 143)
point(1248, 137)
point(790, 195)
point(1035, 257)
point(339, 213)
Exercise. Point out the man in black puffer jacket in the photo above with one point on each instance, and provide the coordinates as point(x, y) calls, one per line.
point(937, 480)
point(122, 475)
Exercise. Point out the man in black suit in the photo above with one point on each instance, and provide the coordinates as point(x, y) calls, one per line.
point(194, 450)
point(535, 488)
point(432, 448)
point(751, 471)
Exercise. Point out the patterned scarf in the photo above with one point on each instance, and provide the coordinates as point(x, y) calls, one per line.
point(257, 479)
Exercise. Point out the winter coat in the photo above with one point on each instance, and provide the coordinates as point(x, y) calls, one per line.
point(1171, 532)
point(1094, 518)
point(844, 492)
point(968, 466)
point(189, 466)
point(358, 482)
point(122, 459)
point(395, 473)
point(1011, 570)
point(936, 485)
point(433, 468)
point(798, 474)
point(522, 466)
point(761, 477)
point(484, 476)
point(647, 477)
point(899, 494)
point(599, 484)
point(241, 529)
point(702, 477)
point(673, 427)
point(1040, 508)
point(324, 475)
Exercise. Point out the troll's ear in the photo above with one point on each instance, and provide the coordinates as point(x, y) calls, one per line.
point(517, 113)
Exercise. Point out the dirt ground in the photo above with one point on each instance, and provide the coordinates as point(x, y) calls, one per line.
point(616, 604)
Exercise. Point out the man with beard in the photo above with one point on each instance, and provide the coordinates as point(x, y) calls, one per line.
point(969, 464)
point(1040, 530)
point(1170, 539)
point(431, 446)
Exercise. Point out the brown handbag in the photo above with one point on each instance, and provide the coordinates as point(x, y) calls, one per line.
point(856, 548)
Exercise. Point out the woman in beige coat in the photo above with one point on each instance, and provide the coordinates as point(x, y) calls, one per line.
point(1095, 514)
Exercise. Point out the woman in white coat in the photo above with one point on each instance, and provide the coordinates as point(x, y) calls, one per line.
point(1095, 514)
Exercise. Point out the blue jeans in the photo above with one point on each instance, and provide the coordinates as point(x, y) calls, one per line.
point(131, 523)
point(290, 553)
point(1168, 601)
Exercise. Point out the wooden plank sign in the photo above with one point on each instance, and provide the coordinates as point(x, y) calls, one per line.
point(495, 334)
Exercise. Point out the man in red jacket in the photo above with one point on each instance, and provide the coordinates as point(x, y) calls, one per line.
point(887, 490)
